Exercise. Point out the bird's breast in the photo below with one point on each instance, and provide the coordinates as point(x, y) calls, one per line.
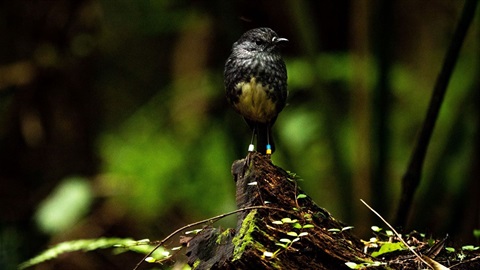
point(254, 101)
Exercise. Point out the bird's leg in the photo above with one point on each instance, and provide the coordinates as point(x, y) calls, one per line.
point(269, 147)
point(251, 147)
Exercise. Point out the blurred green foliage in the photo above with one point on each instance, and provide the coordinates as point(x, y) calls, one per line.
point(159, 170)
point(64, 207)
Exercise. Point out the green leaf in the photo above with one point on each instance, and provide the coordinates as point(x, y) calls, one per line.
point(307, 226)
point(150, 260)
point(470, 248)
point(450, 249)
point(389, 247)
point(278, 222)
point(268, 254)
point(285, 240)
point(85, 245)
point(289, 220)
point(69, 202)
point(376, 228)
point(301, 196)
point(353, 265)
point(308, 216)
point(292, 234)
point(297, 226)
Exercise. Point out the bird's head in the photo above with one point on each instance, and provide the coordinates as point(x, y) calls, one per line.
point(259, 40)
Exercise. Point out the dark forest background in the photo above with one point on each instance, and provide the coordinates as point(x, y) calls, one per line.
point(113, 120)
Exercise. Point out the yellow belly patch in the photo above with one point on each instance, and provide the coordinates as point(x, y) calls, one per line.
point(254, 103)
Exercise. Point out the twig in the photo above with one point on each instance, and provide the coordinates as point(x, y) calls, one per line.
point(397, 234)
point(411, 178)
point(212, 219)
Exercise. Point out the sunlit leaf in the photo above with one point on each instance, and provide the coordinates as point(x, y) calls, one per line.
point(389, 247)
point(292, 234)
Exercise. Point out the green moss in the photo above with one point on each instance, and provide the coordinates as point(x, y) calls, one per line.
point(223, 237)
point(196, 264)
point(244, 239)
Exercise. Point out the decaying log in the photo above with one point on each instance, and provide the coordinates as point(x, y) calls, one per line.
point(256, 242)
point(289, 231)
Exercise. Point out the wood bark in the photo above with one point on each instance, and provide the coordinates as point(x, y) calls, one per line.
point(287, 231)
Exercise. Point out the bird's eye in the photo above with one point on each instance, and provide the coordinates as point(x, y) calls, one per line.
point(259, 42)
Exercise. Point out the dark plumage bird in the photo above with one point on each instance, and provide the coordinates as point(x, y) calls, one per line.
point(256, 82)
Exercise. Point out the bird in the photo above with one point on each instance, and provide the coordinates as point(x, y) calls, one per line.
point(255, 78)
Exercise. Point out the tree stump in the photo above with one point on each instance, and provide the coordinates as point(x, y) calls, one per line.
point(287, 231)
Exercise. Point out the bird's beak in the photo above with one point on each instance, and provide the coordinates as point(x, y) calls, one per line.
point(278, 40)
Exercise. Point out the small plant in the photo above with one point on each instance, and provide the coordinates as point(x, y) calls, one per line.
point(336, 230)
point(384, 241)
point(292, 235)
point(470, 248)
point(462, 253)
